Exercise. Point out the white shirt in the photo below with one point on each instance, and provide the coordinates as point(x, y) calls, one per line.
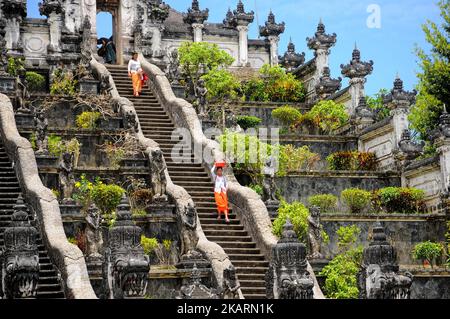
point(134, 66)
point(220, 184)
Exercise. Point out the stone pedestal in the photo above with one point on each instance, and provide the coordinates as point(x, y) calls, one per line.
point(111, 123)
point(193, 258)
point(89, 86)
point(178, 90)
point(95, 271)
point(70, 209)
point(318, 264)
point(46, 160)
point(198, 31)
point(272, 208)
point(161, 209)
point(24, 120)
point(135, 162)
point(7, 84)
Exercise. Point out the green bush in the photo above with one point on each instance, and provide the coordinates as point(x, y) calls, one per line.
point(35, 82)
point(56, 146)
point(349, 161)
point(246, 122)
point(341, 275)
point(376, 104)
point(356, 199)
point(347, 236)
point(297, 213)
point(221, 84)
point(106, 197)
point(294, 159)
point(88, 120)
point(328, 115)
point(287, 115)
point(63, 83)
point(14, 65)
point(275, 85)
point(428, 251)
point(257, 188)
point(399, 199)
point(326, 202)
point(149, 244)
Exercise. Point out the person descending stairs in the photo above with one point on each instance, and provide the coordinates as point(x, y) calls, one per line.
point(156, 124)
point(49, 285)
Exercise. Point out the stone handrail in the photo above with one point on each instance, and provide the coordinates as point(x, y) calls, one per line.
point(213, 252)
point(67, 257)
point(246, 203)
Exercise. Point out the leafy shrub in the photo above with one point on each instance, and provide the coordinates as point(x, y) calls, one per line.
point(294, 159)
point(56, 147)
point(347, 161)
point(326, 202)
point(356, 199)
point(342, 275)
point(341, 281)
point(83, 192)
point(15, 65)
point(297, 213)
point(221, 84)
point(347, 236)
point(275, 85)
point(138, 212)
point(88, 120)
point(63, 83)
point(246, 122)
point(328, 115)
point(106, 197)
point(287, 115)
point(149, 244)
point(141, 197)
point(35, 81)
point(257, 188)
point(376, 104)
point(399, 199)
point(428, 251)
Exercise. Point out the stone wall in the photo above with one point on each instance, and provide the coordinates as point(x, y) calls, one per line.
point(380, 139)
point(403, 231)
point(300, 187)
point(431, 285)
point(427, 176)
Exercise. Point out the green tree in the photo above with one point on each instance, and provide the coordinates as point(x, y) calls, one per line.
point(198, 58)
point(434, 86)
point(375, 102)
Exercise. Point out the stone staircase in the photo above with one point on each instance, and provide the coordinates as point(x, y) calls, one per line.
point(156, 124)
point(49, 285)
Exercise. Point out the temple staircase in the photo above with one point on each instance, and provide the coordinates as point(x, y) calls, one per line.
point(49, 285)
point(157, 125)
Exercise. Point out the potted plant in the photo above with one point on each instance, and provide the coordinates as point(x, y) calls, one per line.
point(428, 252)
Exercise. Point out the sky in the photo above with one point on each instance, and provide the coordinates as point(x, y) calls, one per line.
point(385, 31)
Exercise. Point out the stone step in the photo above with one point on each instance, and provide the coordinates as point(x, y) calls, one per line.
point(210, 227)
point(251, 277)
point(227, 232)
point(214, 221)
point(254, 296)
point(246, 257)
point(227, 239)
point(234, 244)
point(253, 290)
point(250, 263)
point(251, 270)
point(49, 294)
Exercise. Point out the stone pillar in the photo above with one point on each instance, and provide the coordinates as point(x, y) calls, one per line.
point(273, 40)
point(14, 12)
point(54, 11)
point(157, 13)
point(89, 8)
point(272, 31)
point(198, 31)
point(243, 44)
point(356, 71)
point(321, 44)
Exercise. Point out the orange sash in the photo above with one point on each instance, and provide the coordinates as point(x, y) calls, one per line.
point(221, 201)
point(137, 82)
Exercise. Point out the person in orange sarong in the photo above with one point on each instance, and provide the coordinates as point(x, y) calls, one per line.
point(135, 72)
point(220, 192)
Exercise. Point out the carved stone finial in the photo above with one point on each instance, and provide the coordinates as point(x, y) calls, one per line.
point(195, 15)
point(48, 7)
point(292, 60)
point(357, 68)
point(271, 28)
point(379, 277)
point(444, 122)
point(287, 276)
point(127, 264)
point(238, 17)
point(158, 11)
point(21, 255)
point(408, 147)
point(230, 284)
point(194, 289)
point(321, 40)
point(326, 85)
point(398, 97)
point(363, 111)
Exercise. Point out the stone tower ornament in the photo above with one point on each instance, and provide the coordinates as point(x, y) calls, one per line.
point(127, 266)
point(287, 276)
point(379, 276)
point(326, 85)
point(20, 260)
point(292, 60)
